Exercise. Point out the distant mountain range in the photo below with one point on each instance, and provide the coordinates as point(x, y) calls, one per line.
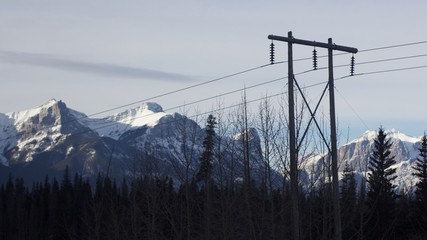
point(140, 141)
point(148, 141)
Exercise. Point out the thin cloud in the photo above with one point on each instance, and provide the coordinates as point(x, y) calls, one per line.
point(101, 69)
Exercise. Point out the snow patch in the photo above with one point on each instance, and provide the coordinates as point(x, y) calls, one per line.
point(19, 118)
point(147, 114)
point(69, 150)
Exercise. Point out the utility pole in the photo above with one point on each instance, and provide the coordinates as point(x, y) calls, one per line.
point(292, 146)
point(292, 139)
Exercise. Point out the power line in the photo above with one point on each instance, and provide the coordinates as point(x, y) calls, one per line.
point(392, 59)
point(378, 61)
point(262, 66)
point(238, 104)
point(390, 70)
point(172, 108)
point(360, 51)
point(256, 68)
point(260, 84)
point(198, 114)
point(351, 108)
point(162, 95)
point(393, 46)
point(183, 105)
point(180, 89)
point(252, 86)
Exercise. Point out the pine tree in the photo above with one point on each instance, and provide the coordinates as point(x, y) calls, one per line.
point(421, 172)
point(348, 202)
point(205, 170)
point(420, 213)
point(205, 173)
point(381, 196)
point(348, 187)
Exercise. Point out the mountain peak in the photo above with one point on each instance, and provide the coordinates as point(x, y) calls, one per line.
point(391, 133)
point(152, 106)
point(51, 102)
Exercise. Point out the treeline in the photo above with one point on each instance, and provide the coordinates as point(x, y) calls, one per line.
point(146, 208)
point(153, 208)
point(203, 206)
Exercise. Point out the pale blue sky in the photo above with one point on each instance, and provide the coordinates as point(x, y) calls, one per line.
point(95, 55)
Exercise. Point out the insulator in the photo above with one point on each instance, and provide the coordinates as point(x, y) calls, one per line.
point(314, 59)
point(272, 53)
point(352, 66)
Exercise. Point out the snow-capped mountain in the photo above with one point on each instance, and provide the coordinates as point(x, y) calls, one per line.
point(147, 114)
point(29, 132)
point(139, 141)
point(357, 152)
point(404, 148)
point(146, 140)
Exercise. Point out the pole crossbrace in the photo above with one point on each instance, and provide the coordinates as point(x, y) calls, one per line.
point(313, 117)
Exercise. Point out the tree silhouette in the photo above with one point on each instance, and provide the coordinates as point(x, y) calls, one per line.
point(205, 170)
point(421, 186)
point(421, 172)
point(381, 196)
point(205, 173)
point(348, 201)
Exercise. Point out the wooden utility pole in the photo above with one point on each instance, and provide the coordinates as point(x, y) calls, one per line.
point(334, 155)
point(292, 138)
point(292, 145)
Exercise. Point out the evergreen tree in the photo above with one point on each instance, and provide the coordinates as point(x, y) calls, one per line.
point(421, 172)
point(205, 170)
point(420, 213)
point(205, 173)
point(348, 187)
point(381, 196)
point(348, 202)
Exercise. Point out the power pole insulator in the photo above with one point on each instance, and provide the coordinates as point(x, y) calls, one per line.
point(352, 66)
point(272, 53)
point(314, 59)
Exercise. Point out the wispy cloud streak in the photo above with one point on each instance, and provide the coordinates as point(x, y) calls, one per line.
point(101, 69)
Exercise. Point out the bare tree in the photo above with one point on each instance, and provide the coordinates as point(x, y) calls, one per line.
point(184, 167)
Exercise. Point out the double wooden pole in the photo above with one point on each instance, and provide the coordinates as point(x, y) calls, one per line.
point(292, 137)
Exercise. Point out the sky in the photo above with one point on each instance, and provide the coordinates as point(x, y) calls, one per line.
point(99, 55)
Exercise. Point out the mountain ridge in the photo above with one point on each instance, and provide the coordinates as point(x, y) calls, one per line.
point(140, 140)
point(356, 155)
point(53, 136)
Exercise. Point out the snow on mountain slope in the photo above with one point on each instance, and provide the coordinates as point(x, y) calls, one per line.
point(403, 147)
point(55, 132)
point(16, 129)
point(7, 136)
point(45, 139)
point(357, 152)
point(147, 114)
point(40, 129)
point(20, 119)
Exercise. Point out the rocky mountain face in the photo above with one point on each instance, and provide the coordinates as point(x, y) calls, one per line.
point(141, 141)
point(357, 152)
point(148, 141)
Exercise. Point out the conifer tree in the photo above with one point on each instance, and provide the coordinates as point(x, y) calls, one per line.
point(348, 201)
point(420, 213)
point(348, 187)
point(205, 174)
point(381, 196)
point(205, 170)
point(421, 172)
